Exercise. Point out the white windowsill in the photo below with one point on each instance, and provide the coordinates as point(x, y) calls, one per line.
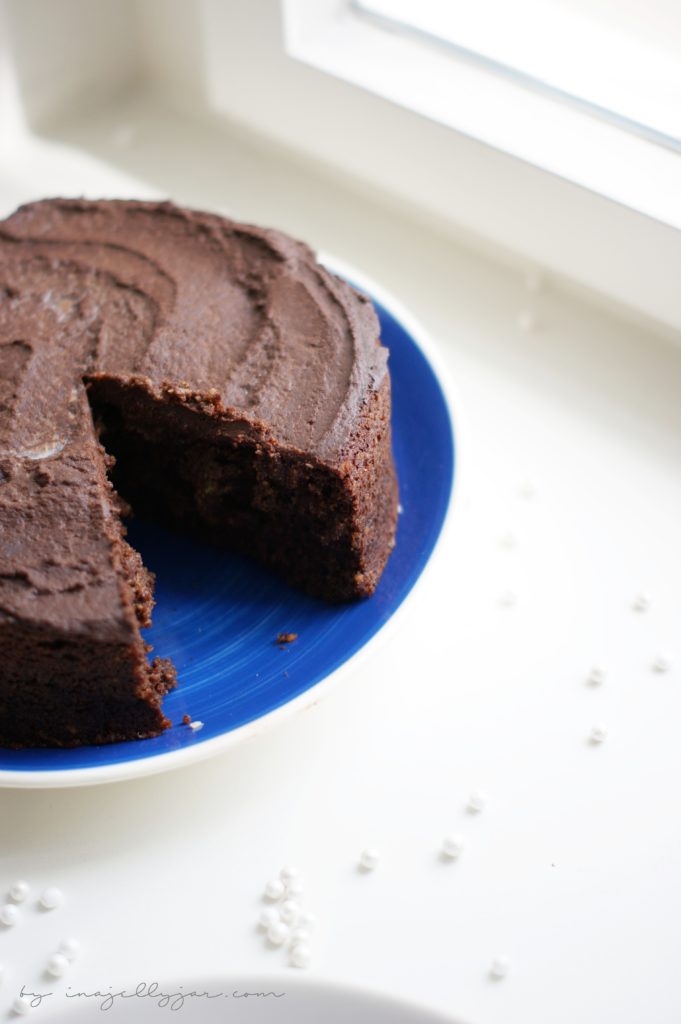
point(475, 101)
point(612, 228)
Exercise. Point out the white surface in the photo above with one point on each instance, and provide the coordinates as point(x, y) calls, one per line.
point(571, 870)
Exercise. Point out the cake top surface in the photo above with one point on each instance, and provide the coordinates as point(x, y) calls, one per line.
point(188, 299)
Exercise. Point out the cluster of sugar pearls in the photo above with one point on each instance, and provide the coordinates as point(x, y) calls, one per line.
point(51, 898)
point(10, 914)
point(284, 921)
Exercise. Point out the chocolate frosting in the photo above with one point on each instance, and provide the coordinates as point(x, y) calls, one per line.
point(175, 299)
point(190, 299)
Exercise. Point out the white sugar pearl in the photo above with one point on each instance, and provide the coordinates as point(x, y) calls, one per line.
point(300, 955)
point(274, 889)
point(641, 602)
point(19, 891)
point(452, 846)
point(57, 965)
point(51, 898)
point(278, 933)
point(598, 734)
point(70, 948)
point(661, 664)
point(196, 726)
point(9, 914)
point(369, 859)
point(20, 1006)
point(596, 676)
point(268, 917)
point(299, 935)
point(287, 874)
point(527, 321)
point(500, 967)
point(400, 510)
point(476, 801)
point(507, 599)
point(295, 887)
point(289, 911)
point(307, 920)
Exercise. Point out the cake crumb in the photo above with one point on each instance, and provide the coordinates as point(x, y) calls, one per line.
point(186, 719)
point(286, 638)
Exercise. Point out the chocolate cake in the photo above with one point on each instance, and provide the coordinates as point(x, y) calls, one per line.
point(220, 381)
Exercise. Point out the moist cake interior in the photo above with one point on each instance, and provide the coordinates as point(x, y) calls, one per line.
point(235, 492)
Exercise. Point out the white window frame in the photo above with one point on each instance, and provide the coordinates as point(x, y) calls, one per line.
point(584, 199)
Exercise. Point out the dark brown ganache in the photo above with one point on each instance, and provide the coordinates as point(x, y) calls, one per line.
point(220, 381)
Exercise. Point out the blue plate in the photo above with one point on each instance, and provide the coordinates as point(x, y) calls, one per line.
point(218, 616)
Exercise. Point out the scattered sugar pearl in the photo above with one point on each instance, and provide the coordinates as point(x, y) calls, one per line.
point(70, 948)
point(278, 933)
point(268, 917)
point(507, 599)
point(299, 935)
point(19, 891)
point(598, 734)
point(500, 967)
point(287, 874)
point(289, 911)
point(274, 889)
point(20, 1006)
point(527, 321)
point(369, 859)
point(51, 898)
point(9, 914)
point(57, 965)
point(452, 846)
point(295, 887)
point(196, 726)
point(661, 663)
point(400, 509)
point(476, 801)
point(300, 955)
point(641, 602)
point(596, 676)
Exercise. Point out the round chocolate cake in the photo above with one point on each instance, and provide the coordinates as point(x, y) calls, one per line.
point(213, 377)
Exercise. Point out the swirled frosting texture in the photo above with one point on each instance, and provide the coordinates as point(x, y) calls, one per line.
point(188, 299)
